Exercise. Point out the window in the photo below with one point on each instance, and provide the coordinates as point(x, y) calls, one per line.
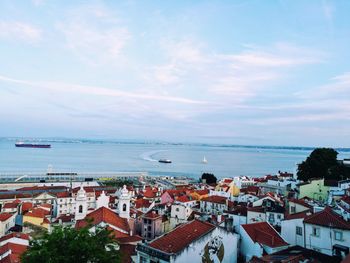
point(177, 209)
point(316, 231)
point(338, 235)
point(143, 259)
point(80, 209)
point(299, 230)
point(279, 216)
point(292, 209)
point(149, 228)
point(124, 207)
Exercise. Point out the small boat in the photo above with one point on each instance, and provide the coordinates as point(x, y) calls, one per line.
point(164, 161)
point(32, 145)
point(204, 160)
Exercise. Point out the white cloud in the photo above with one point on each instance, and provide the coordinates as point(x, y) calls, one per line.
point(94, 34)
point(228, 76)
point(15, 30)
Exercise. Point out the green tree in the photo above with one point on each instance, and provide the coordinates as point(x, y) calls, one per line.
point(209, 178)
point(66, 244)
point(322, 163)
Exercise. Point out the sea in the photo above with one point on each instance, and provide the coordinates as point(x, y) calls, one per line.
point(85, 155)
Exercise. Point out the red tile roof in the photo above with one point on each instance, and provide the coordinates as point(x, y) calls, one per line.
point(139, 203)
point(126, 251)
point(264, 234)
point(10, 205)
point(201, 192)
point(5, 216)
point(63, 194)
point(11, 258)
point(300, 202)
point(37, 212)
point(26, 206)
point(174, 193)
point(150, 193)
point(64, 218)
point(183, 199)
point(251, 189)
point(129, 239)
point(15, 195)
point(152, 215)
point(299, 215)
point(13, 235)
point(107, 216)
point(14, 248)
point(182, 236)
point(346, 199)
point(215, 199)
point(328, 218)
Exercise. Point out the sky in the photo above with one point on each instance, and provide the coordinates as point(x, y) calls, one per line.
point(238, 71)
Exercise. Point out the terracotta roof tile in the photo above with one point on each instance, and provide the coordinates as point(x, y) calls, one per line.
point(15, 248)
point(182, 236)
point(10, 205)
point(183, 199)
point(215, 199)
point(26, 206)
point(15, 235)
point(328, 218)
point(5, 216)
point(37, 212)
point(152, 215)
point(299, 215)
point(139, 203)
point(107, 216)
point(300, 202)
point(265, 234)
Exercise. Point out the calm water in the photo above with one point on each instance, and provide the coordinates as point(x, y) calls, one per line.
point(85, 155)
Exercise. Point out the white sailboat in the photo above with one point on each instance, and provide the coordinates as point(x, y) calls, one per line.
point(204, 160)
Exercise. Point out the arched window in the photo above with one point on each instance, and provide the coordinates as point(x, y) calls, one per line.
point(80, 209)
point(124, 207)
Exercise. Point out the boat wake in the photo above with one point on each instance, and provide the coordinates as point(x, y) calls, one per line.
point(148, 156)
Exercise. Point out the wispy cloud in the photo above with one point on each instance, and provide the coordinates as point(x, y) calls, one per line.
point(16, 30)
point(94, 34)
point(237, 76)
point(99, 91)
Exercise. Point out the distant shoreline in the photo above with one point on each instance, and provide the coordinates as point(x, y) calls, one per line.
point(139, 142)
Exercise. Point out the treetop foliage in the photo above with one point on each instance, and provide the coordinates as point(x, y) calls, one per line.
point(66, 245)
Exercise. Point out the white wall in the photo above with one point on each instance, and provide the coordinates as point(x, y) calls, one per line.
point(194, 252)
point(253, 217)
point(325, 241)
point(288, 231)
point(247, 247)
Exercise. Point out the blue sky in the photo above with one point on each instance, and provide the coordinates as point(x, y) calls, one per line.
point(242, 72)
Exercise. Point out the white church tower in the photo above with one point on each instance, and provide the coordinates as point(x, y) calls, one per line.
point(124, 203)
point(81, 204)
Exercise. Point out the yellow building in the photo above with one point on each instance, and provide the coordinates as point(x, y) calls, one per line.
point(37, 217)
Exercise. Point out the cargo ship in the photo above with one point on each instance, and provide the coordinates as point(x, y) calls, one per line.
point(32, 145)
point(164, 161)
